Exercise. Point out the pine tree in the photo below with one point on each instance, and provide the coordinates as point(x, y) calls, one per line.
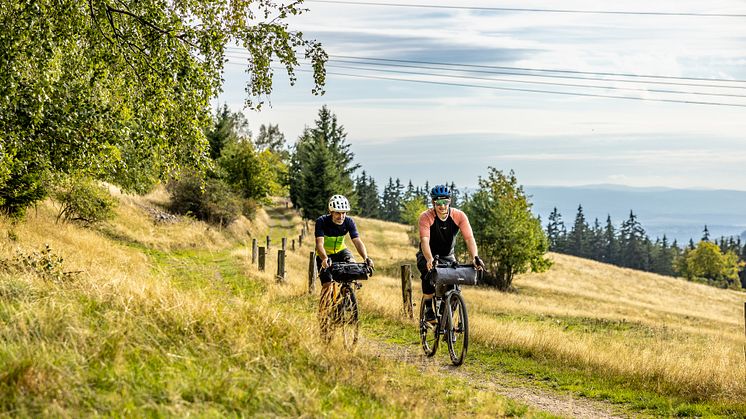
point(321, 166)
point(705, 234)
point(632, 244)
point(369, 204)
point(611, 246)
point(577, 239)
point(556, 232)
point(391, 201)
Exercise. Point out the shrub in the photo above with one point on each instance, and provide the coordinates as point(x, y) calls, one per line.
point(83, 200)
point(208, 200)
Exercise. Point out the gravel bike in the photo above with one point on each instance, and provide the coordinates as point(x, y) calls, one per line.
point(339, 309)
point(451, 320)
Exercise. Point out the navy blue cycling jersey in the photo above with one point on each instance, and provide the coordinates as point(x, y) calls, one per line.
point(334, 234)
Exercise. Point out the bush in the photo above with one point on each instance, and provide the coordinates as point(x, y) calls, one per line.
point(210, 200)
point(83, 200)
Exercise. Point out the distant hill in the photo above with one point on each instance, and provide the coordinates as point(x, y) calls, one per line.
point(680, 214)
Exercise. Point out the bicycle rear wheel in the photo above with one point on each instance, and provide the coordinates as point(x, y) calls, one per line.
point(348, 317)
point(457, 330)
point(326, 313)
point(428, 332)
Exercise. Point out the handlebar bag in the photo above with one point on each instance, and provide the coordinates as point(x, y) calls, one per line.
point(349, 272)
point(462, 275)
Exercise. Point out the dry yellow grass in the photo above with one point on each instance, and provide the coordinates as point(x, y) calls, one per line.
point(686, 336)
point(582, 313)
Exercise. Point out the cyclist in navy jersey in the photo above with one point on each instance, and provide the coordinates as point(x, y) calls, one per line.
point(330, 233)
point(438, 227)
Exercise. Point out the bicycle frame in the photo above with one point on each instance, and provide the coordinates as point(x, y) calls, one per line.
point(451, 323)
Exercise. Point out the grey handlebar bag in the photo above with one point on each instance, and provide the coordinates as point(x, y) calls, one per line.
point(462, 275)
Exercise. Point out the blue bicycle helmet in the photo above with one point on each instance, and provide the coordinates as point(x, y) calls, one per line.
point(440, 192)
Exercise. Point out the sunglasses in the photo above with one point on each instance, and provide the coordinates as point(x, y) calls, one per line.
point(442, 201)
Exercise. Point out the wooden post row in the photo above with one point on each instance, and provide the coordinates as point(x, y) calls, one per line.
point(312, 273)
point(262, 259)
point(406, 290)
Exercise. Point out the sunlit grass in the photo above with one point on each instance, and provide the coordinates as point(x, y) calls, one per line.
point(172, 320)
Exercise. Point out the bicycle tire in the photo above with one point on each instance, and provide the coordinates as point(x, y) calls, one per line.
point(348, 317)
point(428, 333)
point(457, 329)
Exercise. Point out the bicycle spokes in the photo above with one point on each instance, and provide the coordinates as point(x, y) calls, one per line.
point(457, 329)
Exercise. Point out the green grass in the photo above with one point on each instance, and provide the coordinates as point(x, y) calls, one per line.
point(527, 368)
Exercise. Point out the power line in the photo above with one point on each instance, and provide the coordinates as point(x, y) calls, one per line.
point(335, 57)
point(632, 89)
point(397, 64)
point(509, 9)
point(691, 102)
point(605, 79)
point(542, 69)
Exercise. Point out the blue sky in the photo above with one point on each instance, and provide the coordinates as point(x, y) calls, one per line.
point(422, 131)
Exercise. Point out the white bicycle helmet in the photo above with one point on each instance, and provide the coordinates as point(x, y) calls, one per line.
point(339, 203)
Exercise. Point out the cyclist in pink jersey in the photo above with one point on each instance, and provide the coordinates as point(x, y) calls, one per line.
point(438, 227)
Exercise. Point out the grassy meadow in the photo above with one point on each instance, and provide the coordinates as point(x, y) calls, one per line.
point(173, 320)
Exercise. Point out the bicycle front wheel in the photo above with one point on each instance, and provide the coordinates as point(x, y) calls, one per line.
point(428, 332)
point(348, 318)
point(457, 331)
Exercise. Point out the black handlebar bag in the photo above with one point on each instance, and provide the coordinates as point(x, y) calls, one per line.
point(350, 272)
point(461, 275)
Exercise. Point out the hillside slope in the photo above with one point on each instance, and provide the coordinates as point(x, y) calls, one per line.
point(173, 319)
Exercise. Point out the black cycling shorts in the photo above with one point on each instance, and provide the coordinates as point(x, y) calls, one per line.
point(427, 287)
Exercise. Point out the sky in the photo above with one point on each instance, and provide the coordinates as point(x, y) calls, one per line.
point(452, 132)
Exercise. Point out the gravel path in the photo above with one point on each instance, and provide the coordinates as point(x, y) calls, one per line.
point(495, 381)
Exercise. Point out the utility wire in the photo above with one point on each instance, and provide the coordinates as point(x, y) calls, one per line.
point(539, 69)
point(478, 69)
point(631, 89)
point(510, 73)
point(692, 102)
point(493, 67)
point(509, 9)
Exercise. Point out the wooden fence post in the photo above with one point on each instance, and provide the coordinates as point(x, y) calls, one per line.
point(406, 290)
point(292, 245)
point(253, 251)
point(267, 242)
point(262, 258)
point(284, 243)
point(300, 241)
point(312, 273)
point(280, 265)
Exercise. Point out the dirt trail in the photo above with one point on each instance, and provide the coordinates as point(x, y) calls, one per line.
point(494, 381)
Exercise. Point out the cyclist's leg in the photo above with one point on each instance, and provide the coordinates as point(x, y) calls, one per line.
point(428, 290)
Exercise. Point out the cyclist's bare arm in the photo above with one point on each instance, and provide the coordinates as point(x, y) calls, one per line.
point(471, 246)
point(361, 250)
point(321, 253)
point(425, 247)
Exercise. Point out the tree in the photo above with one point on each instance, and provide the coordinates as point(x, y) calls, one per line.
point(633, 252)
point(509, 236)
point(578, 238)
point(369, 204)
point(556, 231)
point(611, 246)
point(707, 262)
point(391, 201)
point(227, 127)
point(120, 90)
point(321, 166)
point(272, 139)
